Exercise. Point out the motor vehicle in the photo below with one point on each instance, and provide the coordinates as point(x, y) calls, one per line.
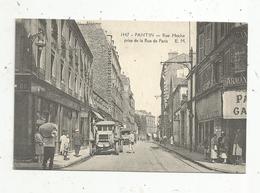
point(108, 138)
point(125, 135)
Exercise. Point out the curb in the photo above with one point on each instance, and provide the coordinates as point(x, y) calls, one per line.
point(85, 158)
point(200, 164)
point(55, 167)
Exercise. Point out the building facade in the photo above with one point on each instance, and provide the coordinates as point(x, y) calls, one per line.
point(178, 115)
point(52, 80)
point(146, 124)
point(107, 83)
point(128, 104)
point(173, 73)
point(221, 82)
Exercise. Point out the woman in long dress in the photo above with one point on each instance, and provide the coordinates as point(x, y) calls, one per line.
point(38, 140)
point(223, 148)
point(213, 148)
point(237, 147)
point(63, 140)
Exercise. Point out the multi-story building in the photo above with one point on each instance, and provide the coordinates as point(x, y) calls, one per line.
point(221, 81)
point(52, 79)
point(107, 83)
point(146, 124)
point(173, 73)
point(178, 115)
point(128, 104)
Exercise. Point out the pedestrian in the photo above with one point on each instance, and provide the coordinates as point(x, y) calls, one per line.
point(38, 140)
point(63, 139)
point(66, 147)
point(171, 139)
point(237, 147)
point(77, 141)
point(206, 145)
point(222, 147)
point(213, 148)
point(49, 149)
point(132, 141)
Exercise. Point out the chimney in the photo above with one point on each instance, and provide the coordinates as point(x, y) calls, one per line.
point(172, 55)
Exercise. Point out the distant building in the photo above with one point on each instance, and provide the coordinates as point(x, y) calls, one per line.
point(173, 73)
point(107, 83)
point(128, 104)
point(178, 115)
point(146, 124)
point(52, 80)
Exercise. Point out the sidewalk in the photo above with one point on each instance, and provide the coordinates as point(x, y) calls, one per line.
point(58, 162)
point(199, 159)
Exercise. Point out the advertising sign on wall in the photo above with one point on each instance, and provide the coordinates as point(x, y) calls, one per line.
point(234, 105)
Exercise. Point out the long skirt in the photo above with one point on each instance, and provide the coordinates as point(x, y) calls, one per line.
point(38, 149)
point(213, 154)
point(237, 150)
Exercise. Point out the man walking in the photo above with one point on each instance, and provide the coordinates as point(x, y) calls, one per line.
point(77, 140)
point(132, 141)
point(49, 149)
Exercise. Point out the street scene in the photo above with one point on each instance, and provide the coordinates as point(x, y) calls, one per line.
point(130, 96)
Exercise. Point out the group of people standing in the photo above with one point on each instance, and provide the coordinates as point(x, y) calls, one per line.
point(218, 148)
point(45, 146)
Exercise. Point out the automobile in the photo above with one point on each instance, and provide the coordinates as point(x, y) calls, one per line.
point(108, 138)
point(125, 135)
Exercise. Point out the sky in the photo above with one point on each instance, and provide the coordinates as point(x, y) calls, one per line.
point(140, 61)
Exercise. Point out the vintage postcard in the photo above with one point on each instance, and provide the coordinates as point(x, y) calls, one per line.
point(130, 96)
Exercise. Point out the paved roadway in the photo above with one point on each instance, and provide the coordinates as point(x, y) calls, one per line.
point(147, 157)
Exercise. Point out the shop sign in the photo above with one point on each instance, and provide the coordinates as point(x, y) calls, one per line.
point(22, 84)
point(234, 105)
point(234, 81)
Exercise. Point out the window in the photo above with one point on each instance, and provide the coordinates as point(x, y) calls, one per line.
point(52, 63)
point(76, 84)
point(227, 66)
point(80, 88)
point(70, 60)
point(69, 35)
point(39, 56)
point(69, 79)
point(61, 70)
point(54, 30)
point(201, 47)
point(222, 29)
point(208, 38)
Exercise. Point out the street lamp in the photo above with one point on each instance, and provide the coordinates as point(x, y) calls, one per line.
point(189, 67)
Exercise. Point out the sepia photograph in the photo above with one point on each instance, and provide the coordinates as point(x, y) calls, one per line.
point(130, 96)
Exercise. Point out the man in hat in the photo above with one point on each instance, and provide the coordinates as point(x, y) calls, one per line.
point(77, 140)
point(49, 149)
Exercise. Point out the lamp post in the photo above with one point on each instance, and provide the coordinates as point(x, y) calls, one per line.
point(189, 65)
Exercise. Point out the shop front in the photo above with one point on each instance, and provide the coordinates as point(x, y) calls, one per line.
point(42, 101)
point(234, 118)
point(208, 112)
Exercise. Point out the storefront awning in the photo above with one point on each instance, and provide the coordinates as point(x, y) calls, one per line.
point(97, 115)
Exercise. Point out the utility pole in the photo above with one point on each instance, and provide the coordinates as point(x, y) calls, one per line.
point(191, 99)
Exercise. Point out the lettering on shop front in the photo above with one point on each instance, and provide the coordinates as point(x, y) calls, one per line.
point(234, 104)
point(240, 110)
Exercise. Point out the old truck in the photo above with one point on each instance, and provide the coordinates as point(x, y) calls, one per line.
point(108, 138)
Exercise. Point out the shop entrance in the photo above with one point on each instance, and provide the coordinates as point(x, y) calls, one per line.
point(232, 126)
